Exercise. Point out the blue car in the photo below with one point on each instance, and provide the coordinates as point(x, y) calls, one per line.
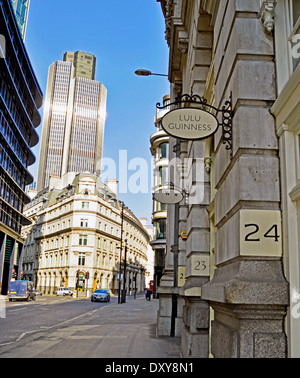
point(21, 290)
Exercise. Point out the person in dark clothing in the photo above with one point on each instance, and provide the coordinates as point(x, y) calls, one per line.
point(148, 294)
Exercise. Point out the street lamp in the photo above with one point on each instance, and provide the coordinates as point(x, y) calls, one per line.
point(174, 248)
point(142, 72)
point(123, 300)
point(120, 268)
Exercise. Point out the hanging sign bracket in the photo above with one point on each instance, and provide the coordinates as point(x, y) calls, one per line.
point(192, 118)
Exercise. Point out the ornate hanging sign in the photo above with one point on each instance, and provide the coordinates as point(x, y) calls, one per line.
point(168, 195)
point(190, 124)
point(195, 119)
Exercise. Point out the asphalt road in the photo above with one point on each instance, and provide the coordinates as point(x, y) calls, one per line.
point(57, 327)
point(23, 318)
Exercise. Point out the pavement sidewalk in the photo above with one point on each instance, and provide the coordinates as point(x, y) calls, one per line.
point(124, 330)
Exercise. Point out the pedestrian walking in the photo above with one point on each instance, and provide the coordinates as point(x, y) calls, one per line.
point(148, 294)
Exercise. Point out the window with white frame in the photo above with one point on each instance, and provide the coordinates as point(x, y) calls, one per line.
point(84, 223)
point(82, 239)
point(81, 259)
point(85, 205)
point(294, 26)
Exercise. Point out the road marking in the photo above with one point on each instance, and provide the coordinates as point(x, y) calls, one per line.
point(96, 337)
point(25, 305)
point(54, 325)
point(17, 309)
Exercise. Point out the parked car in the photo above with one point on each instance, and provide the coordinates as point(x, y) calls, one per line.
point(21, 290)
point(64, 291)
point(100, 295)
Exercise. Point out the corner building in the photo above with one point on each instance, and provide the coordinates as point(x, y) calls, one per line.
point(76, 227)
point(236, 306)
point(20, 99)
point(159, 147)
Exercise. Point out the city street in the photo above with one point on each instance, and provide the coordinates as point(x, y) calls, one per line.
point(150, 148)
point(64, 327)
point(24, 318)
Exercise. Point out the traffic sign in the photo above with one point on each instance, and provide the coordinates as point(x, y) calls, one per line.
point(183, 235)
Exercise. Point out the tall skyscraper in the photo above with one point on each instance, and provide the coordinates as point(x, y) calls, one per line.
point(74, 119)
point(85, 64)
point(20, 8)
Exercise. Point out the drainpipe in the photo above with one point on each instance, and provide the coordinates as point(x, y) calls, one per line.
point(174, 250)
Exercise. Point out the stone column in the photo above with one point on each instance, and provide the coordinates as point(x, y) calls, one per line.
point(196, 311)
point(195, 332)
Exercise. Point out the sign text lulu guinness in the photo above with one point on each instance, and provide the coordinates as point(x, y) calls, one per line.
point(190, 124)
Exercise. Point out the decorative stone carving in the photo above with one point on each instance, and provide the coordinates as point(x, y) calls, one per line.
point(183, 44)
point(207, 162)
point(169, 14)
point(178, 87)
point(267, 13)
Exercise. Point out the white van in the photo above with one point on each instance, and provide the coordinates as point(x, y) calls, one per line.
point(64, 291)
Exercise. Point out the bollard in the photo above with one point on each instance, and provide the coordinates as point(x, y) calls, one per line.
point(2, 307)
point(123, 296)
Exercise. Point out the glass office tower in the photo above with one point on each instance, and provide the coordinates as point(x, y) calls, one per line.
point(21, 8)
point(20, 99)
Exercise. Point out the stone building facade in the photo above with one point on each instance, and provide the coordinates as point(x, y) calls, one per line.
point(235, 297)
point(75, 236)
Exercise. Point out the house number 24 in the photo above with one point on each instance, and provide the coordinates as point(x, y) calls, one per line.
point(260, 233)
point(252, 235)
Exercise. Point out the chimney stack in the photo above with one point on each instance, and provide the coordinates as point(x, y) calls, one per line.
point(113, 185)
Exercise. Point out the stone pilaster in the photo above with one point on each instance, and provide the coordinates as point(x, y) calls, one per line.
point(248, 292)
point(195, 333)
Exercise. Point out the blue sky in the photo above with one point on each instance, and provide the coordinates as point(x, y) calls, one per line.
point(124, 36)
